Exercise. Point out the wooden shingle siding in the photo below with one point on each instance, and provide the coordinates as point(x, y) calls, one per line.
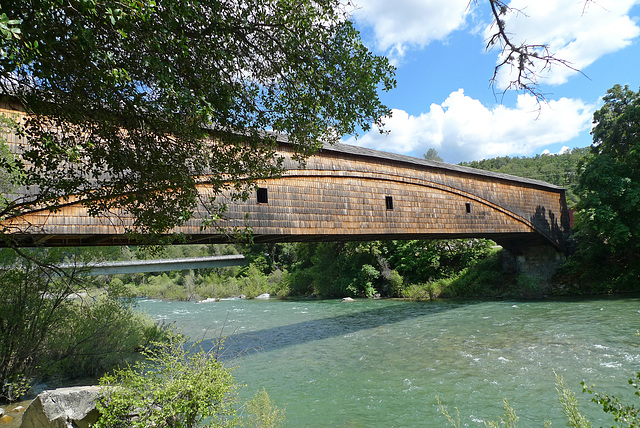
point(340, 193)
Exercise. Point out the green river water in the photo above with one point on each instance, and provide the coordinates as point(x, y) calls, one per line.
point(381, 363)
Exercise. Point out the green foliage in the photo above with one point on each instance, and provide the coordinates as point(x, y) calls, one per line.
point(607, 229)
point(432, 154)
point(9, 29)
point(176, 386)
point(569, 404)
point(95, 336)
point(55, 323)
point(625, 414)
point(420, 261)
point(338, 269)
point(528, 286)
point(132, 103)
point(211, 283)
point(32, 300)
point(454, 268)
point(482, 279)
point(420, 292)
point(262, 412)
point(164, 286)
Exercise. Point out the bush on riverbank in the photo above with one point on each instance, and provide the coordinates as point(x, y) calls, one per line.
point(53, 324)
point(180, 386)
point(95, 337)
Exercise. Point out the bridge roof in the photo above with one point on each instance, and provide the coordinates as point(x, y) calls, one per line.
point(365, 152)
point(395, 157)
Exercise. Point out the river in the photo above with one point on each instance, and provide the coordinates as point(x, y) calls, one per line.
point(381, 363)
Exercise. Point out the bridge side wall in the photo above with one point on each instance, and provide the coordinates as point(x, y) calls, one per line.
point(338, 194)
point(341, 196)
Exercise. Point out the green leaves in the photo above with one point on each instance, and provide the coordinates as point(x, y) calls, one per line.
point(623, 413)
point(609, 188)
point(9, 27)
point(176, 386)
point(154, 97)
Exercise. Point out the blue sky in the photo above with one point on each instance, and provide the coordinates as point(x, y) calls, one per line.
point(443, 99)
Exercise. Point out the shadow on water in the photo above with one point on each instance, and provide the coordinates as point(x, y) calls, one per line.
point(357, 319)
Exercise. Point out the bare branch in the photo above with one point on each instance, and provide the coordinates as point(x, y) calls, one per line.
point(526, 61)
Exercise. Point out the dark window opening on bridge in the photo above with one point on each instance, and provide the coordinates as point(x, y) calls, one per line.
point(262, 196)
point(468, 207)
point(389, 202)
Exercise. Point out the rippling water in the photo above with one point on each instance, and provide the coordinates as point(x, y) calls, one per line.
point(381, 363)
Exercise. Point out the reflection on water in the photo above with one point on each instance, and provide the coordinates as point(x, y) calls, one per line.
point(382, 363)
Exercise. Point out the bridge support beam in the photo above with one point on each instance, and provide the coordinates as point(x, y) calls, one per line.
point(535, 264)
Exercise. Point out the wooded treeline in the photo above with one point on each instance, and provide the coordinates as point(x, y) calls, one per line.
point(414, 269)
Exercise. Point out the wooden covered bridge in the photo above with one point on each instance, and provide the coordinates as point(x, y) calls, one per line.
point(350, 193)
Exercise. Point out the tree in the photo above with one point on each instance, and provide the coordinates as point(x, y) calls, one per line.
point(432, 154)
point(608, 230)
point(131, 104)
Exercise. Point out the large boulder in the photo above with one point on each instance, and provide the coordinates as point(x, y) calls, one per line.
point(73, 407)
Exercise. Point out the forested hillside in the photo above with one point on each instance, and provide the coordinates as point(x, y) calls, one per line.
point(560, 170)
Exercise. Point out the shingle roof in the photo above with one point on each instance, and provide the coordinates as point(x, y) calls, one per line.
point(362, 151)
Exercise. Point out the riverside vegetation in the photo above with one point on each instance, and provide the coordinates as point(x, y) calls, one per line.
point(61, 325)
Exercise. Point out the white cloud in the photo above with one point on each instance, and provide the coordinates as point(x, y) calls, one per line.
point(399, 23)
point(578, 31)
point(463, 129)
point(563, 150)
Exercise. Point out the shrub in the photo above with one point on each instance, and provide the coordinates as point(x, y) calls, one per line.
point(262, 412)
point(175, 387)
point(96, 336)
point(420, 292)
point(484, 278)
point(51, 326)
point(254, 283)
point(32, 299)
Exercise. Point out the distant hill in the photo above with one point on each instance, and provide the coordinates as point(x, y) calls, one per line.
point(560, 170)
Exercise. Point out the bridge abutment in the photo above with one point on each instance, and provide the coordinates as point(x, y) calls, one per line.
point(534, 264)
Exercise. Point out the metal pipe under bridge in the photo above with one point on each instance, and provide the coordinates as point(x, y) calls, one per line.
point(159, 265)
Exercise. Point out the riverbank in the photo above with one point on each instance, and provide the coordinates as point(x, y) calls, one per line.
point(483, 277)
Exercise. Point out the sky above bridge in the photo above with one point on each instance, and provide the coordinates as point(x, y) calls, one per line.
point(444, 99)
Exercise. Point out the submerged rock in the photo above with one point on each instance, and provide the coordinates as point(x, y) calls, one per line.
point(72, 407)
point(347, 299)
point(209, 300)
